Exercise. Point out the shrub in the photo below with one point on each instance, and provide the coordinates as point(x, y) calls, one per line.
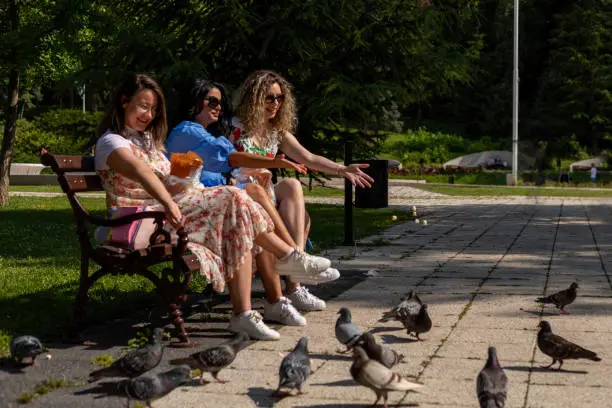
point(62, 131)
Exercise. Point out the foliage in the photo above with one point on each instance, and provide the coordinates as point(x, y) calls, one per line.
point(61, 131)
point(435, 147)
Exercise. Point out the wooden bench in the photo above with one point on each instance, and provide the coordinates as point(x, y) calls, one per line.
point(76, 175)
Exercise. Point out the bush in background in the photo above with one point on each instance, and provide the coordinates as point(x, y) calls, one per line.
point(62, 131)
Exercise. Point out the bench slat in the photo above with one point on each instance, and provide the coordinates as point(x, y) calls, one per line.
point(61, 164)
point(81, 183)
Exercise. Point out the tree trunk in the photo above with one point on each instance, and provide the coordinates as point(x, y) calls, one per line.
point(11, 110)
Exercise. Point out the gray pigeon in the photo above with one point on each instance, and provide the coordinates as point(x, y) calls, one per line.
point(26, 346)
point(135, 362)
point(380, 352)
point(492, 383)
point(377, 377)
point(409, 303)
point(214, 359)
point(295, 367)
point(150, 387)
point(347, 332)
point(416, 323)
point(561, 299)
point(560, 349)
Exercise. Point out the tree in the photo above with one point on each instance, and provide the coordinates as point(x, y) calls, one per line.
point(36, 32)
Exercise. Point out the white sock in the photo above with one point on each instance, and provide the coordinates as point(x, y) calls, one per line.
point(285, 257)
point(243, 313)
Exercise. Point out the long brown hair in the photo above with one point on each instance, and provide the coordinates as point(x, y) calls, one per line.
point(114, 118)
point(249, 104)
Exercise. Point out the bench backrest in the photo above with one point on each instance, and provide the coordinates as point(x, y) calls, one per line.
point(75, 174)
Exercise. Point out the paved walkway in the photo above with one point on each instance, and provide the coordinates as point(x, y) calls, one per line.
point(479, 264)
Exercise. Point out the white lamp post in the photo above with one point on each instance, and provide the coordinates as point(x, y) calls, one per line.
point(515, 95)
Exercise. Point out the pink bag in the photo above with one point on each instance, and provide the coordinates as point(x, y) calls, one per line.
point(135, 235)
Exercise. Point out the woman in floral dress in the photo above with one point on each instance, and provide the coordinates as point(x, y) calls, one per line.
point(224, 225)
point(266, 117)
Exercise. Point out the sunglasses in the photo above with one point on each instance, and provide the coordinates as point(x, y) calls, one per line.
point(213, 102)
point(273, 98)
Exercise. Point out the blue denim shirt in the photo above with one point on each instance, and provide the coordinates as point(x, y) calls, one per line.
point(214, 151)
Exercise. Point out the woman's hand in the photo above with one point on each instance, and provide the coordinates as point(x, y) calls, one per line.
point(357, 177)
point(288, 164)
point(173, 214)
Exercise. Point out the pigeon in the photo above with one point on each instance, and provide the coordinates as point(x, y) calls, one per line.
point(560, 349)
point(347, 332)
point(410, 303)
point(492, 383)
point(561, 299)
point(295, 367)
point(377, 377)
point(153, 386)
point(26, 346)
point(214, 359)
point(135, 362)
point(380, 352)
point(416, 323)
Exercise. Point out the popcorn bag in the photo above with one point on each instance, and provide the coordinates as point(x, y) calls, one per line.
point(186, 168)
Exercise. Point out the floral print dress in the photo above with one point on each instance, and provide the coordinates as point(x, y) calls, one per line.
point(244, 143)
point(222, 222)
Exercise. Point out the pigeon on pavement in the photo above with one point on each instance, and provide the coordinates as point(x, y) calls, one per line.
point(492, 383)
point(380, 352)
point(135, 362)
point(214, 359)
point(152, 386)
point(561, 299)
point(295, 367)
point(409, 303)
point(26, 346)
point(560, 349)
point(347, 332)
point(377, 377)
point(416, 323)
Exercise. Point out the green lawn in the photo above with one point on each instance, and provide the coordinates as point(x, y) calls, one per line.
point(514, 191)
point(39, 262)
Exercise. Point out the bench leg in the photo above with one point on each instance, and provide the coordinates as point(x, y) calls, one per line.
point(179, 323)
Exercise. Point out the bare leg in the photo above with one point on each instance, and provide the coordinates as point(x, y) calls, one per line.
point(266, 260)
point(271, 280)
point(272, 243)
point(260, 196)
point(240, 286)
point(292, 210)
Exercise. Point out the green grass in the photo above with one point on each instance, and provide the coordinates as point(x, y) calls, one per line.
point(39, 264)
point(37, 189)
point(514, 191)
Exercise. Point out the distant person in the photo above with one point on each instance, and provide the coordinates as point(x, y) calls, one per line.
point(564, 177)
point(593, 173)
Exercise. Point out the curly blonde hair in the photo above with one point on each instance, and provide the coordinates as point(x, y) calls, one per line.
point(249, 104)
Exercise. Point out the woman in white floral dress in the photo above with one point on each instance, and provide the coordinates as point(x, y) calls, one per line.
point(224, 225)
point(266, 117)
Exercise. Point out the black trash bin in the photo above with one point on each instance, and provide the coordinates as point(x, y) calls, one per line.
point(378, 195)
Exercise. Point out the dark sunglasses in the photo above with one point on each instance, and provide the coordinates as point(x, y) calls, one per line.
point(273, 98)
point(213, 102)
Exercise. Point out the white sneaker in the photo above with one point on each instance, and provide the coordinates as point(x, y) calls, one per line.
point(283, 312)
point(252, 324)
point(302, 267)
point(305, 301)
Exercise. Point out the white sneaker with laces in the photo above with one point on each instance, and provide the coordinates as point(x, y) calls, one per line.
point(302, 267)
point(283, 312)
point(305, 301)
point(252, 324)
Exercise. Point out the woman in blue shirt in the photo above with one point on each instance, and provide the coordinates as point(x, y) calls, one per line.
point(205, 134)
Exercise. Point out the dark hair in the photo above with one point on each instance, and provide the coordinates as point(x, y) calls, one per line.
point(223, 126)
point(114, 118)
